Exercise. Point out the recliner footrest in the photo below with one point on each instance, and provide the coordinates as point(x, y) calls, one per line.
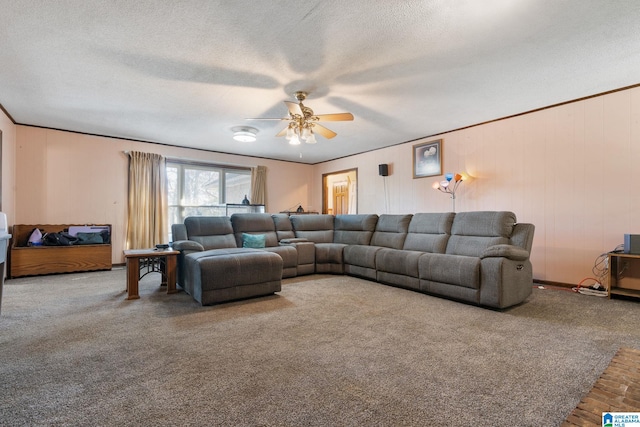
point(221, 275)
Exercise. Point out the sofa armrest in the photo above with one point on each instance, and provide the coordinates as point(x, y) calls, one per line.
point(511, 252)
point(523, 235)
point(187, 245)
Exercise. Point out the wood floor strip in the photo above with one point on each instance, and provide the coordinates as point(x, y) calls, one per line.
point(617, 390)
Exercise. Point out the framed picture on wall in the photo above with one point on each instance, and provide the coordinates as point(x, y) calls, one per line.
point(427, 159)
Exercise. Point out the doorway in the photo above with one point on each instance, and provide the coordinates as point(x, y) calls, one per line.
point(340, 192)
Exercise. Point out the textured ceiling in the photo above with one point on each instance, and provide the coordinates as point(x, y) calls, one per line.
point(185, 72)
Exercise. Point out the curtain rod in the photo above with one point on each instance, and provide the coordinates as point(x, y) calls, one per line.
point(200, 162)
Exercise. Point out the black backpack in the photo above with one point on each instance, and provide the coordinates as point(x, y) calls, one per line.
point(59, 239)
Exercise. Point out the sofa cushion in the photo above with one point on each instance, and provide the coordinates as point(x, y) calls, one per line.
point(451, 269)
point(429, 232)
point(398, 261)
point(391, 231)
point(473, 232)
point(315, 228)
point(329, 253)
point(354, 229)
point(484, 223)
point(254, 223)
point(361, 255)
point(253, 241)
point(212, 232)
point(284, 228)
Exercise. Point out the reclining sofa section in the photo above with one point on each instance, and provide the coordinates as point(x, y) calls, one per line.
point(480, 258)
point(212, 269)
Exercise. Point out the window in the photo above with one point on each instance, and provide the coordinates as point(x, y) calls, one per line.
point(196, 189)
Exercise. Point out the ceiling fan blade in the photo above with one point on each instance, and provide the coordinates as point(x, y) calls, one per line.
point(283, 132)
point(337, 117)
point(294, 109)
point(263, 118)
point(327, 133)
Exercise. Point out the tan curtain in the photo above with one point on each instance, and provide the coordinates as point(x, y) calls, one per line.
point(147, 221)
point(258, 185)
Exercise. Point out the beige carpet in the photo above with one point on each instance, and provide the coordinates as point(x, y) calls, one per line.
point(327, 350)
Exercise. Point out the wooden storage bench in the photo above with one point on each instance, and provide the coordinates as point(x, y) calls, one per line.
point(35, 260)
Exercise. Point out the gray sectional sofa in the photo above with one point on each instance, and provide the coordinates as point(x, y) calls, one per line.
point(480, 258)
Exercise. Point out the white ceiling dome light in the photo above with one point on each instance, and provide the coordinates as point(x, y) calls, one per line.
point(244, 133)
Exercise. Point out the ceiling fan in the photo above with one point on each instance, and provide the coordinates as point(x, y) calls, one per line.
point(303, 123)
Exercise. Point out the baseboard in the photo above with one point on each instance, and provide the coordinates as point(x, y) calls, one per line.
point(550, 283)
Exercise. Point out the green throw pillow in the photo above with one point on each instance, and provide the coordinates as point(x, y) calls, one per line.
point(253, 240)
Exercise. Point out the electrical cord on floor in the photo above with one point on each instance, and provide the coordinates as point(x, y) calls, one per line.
point(600, 272)
point(595, 288)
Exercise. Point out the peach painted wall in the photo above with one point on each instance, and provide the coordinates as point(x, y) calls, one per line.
point(571, 170)
point(8, 166)
point(64, 177)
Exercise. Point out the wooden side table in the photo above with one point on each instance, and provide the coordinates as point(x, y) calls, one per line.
point(624, 274)
point(141, 262)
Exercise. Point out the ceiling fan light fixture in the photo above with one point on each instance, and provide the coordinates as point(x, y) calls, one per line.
point(294, 140)
point(290, 132)
point(311, 139)
point(305, 133)
point(302, 122)
point(244, 133)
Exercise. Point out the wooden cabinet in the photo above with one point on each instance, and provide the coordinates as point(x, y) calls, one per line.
point(35, 260)
point(624, 274)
